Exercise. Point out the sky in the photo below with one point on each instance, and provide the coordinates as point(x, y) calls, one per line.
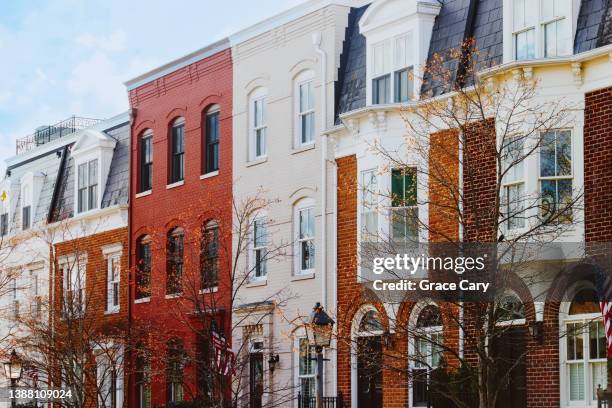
point(71, 57)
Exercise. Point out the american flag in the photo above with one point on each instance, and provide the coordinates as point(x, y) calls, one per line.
point(604, 286)
point(224, 358)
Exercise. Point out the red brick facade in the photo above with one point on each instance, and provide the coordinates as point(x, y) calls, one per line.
point(99, 325)
point(187, 92)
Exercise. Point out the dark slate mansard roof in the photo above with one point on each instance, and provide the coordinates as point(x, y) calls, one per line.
point(458, 21)
point(116, 191)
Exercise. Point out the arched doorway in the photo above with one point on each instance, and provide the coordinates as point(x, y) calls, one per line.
point(368, 360)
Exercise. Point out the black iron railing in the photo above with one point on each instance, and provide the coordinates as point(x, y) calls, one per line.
point(307, 401)
point(604, 398)
point(45, 134)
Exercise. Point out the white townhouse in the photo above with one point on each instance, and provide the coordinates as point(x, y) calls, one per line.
point(285, 73)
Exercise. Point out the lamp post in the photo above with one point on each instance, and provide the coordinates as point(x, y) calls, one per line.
point(12, 370)
point(319, 331)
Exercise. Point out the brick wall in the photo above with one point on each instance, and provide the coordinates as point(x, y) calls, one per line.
point(597, 165)
point(186, 92)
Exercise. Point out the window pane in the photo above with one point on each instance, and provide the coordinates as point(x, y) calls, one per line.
point(381, 90)
point(576, 380)
point(260, 142)
point(512, 157)
point(308, 255)
point(597, 340)
point(93, 172)
point(403, 86)
point(515, 206)
point(82, 175)
point(599, 375)
point(564, 153)
point(525, 45)
point(547, 155)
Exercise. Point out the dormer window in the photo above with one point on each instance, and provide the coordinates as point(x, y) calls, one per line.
point(540, 28)
point(87, 186)
point(392, 71)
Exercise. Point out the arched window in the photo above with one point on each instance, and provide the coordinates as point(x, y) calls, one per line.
point(583, 347)
point(305, 109)
point(209, 256)
point(426, 352)
point(174, 270)
point(177, 151)
point(143, 264)
point(305, 248)
point(211, 139)
point(370, 323)
point(258, 128)
point(145, 157)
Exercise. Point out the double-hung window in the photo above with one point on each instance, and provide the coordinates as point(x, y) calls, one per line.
point(392, 70)
point(369, 207)
point(26, 213)
point(428, 342)
point(178, 151)
point(513, 193)
point(73, 272)
point(404, 211)
point(305, 240)
point(35, 286)
point(555, 28)
point(306, 112)
point(307, 371)
point(174, 273)
point(556, 175)
point(524, 28)
point(88, 186)
point(174, 371)
point(210, 256)
point(113, 265)
point(381, 82)
point(260, 251)
point(212, 140)
point(143, 271)
point(146, 161)
point(259, 128)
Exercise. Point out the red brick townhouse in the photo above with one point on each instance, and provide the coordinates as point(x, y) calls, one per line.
point(180, 225)
point(550, 350)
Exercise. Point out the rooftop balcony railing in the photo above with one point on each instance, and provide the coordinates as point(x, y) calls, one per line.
point(46, 134)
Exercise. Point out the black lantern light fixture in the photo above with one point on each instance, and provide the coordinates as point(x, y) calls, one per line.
point(273, 362)
point(536, 329)
point(12, 371)
point(319, 330)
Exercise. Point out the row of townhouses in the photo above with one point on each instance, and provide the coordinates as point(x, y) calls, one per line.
point(175, 252)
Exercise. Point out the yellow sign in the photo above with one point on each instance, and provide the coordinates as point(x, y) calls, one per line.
point(3, 196)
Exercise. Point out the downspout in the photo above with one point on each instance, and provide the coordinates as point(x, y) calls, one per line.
point(316, 40)
point(461, 311)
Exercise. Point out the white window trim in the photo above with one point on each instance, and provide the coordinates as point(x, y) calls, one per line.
point(565, 318)
point(304, 205)
point(110, 308)
point(102, 357)
point(259, 95)
point(414, 315)
point(296, 355)
point(570, 14)
point(304, 78)
point(86, 161)
point(72, 262)
point(253, 258)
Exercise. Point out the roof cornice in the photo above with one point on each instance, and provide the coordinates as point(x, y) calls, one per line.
point(178, 63)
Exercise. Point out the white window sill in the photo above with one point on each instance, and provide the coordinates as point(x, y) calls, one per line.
point(144, 194)
point(174, 185)
point(209, 175)
point(257, 161)
point(256, 283)
point(303, 276)
point(303, 148)
point(209, 290)
point(143, 300)
point(174, 296)
point(111, 312)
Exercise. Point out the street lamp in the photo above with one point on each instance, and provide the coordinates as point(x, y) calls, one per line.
point(12, 371)
point(319, 331)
